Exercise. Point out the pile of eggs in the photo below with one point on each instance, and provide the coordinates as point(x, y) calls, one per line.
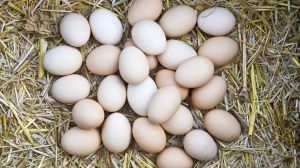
point(158, 102)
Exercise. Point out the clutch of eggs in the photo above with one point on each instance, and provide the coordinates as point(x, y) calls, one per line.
point(157, 101)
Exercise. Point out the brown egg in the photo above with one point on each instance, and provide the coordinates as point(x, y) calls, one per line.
point(165, 77)
point(81, 142)
point(222, 125)
point(194, 72)
point(144, 10)
point(200, 145)
point(103, 60)
point(87, 114)
point(209, 95)
point(164, 104)
point(70, 89)
point(152, 61)
point(129, 43)
point(150, 137)
point(220, 50)
point(178, 20)
point(180, 123)
point(174, 157)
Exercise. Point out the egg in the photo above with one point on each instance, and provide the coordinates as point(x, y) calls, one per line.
point(62, 60)
point(144, 10)
point(81, 142)
point(111, 93)
point(128, 43)
point(70, 89)
point(149, 37)
point(175, 53)
point(209, 95)
point(178, 20)
point(164, 104)
point(152, 61)
point(180, 123)
point(75, 29)
point(116, 133)
point(220, 50)
point(216, 21)
point(150, 137)
point(139, 96)
point(133, 65)
point(194, 72)
point(222, 125)
point(87, 114)
point(174, 157)
point(165, 77)
point(200, 145)
point(103, 60)
point(106, 26)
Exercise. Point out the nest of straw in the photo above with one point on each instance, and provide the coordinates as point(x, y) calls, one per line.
point(263, 85)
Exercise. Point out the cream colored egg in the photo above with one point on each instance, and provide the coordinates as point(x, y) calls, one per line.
point(150, 137)
point(62, 60)
point(165, 77)
point(139, 96)
point(149, 37)
point(222, 125)
point(75, 29)
point(129, 43)
point(174, 157)
point(163, 105)
point(194, 72)
point(87, 114)
point(112, 93)
point(175, 53)
point(209, 95)
point(81, 142)
point(220, 50)
point(116, 133)
point(200, 145)
point(180, 123)
point(70, 89)
point(216, 21)
point(103, 60)
point(106, 26)
point(178, 20)
point(133, 65)
point(144, 10)
point(152, 61)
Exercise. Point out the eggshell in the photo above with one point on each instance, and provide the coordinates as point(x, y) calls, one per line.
point(175, 53)
point(62, 60)
point(133, 65)
point(194, 72)
point(200, 145)
point(106, 26)
point(164, 103)
point(139, 96)
point(165, 77)
point(150, 137)
point(75, 29)
point(103, 60)
point(116, 133)
point(149, 37)
point(174, 157)
point(80, 142)
point(87, 114)
point(70, 89)
point(220, 50)
point(222, 125)
point(216, 21)
point(209, 95)
point(178, 20)
point(144, 10)
point(112, 93)
point(152, 61)
point(129, 43)
point(180, 123)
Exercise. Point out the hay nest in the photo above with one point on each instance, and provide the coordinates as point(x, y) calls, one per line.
point(263, 85)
